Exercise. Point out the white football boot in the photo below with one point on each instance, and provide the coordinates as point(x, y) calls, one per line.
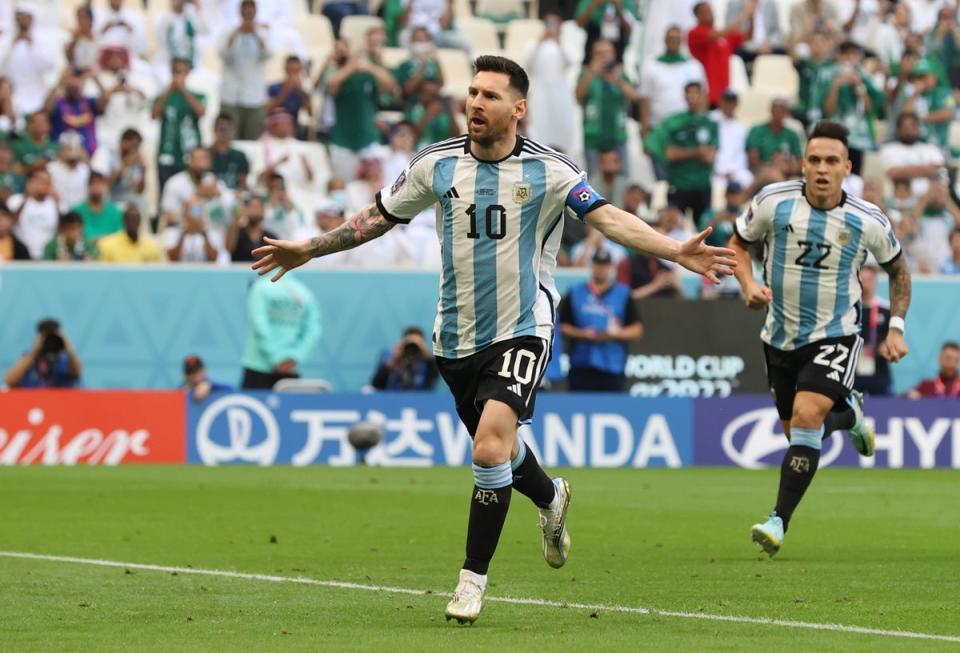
point(467, 601)
point(553, 523)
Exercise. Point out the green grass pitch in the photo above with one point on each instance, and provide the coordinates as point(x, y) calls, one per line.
point(868, 548)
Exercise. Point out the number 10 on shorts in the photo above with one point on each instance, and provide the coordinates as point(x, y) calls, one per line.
point(523, 361)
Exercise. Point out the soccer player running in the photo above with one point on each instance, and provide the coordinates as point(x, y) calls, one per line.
point(501, 199)
point(816, 237)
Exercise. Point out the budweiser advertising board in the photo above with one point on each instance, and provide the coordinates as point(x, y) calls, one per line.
point(71, 427)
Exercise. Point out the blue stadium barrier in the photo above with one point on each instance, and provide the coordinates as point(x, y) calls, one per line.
point(132, 326)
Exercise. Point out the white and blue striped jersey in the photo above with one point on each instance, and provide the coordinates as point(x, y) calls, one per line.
point(812, 261)
point(499, 224)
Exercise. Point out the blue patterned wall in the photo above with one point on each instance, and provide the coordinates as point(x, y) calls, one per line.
point(132, 326)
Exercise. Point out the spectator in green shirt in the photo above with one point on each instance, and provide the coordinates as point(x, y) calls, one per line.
point(11, 183)
point(808, 68)
point(179, 112)
point(228, 163)
point(773, 143)
point(100, 216)
point(605, 94)
point(933, 104)
point(69, 243)
point(433, 115)
point(422, 65)
point(688, 142)
point(354, 84)
point(35, 149)
point(610, 20)
point(845, 93)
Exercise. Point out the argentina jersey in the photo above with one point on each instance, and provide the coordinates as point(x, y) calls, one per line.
point(499, 224)
point(812, 261)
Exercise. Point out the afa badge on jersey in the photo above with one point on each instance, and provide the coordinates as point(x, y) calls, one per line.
point(522, 192)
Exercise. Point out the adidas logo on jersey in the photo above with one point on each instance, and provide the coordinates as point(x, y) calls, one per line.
point(515, 389)
point(452, 193)
point(834, 376)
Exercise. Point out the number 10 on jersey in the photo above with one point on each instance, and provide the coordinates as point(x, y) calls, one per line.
point(495, 220)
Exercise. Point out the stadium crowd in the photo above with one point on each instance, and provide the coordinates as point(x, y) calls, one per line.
point(189, 130)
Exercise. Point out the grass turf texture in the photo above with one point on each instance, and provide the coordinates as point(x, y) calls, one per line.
point(868, 548)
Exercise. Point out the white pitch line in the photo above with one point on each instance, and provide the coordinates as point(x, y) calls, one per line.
point(596, 607)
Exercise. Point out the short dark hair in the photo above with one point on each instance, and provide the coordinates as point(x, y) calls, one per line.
point(697, 6)
point(130, 132)
point(412, 330)
point(95, 176)
point(293, 57)
point(693, 83)
point(224, 117)
point(70, 217)
point(830, 129)
point(950, 344)
point(493, 64)
point(849, 46)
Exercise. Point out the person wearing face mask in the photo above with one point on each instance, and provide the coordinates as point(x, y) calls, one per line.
point(246, 233)
point(70, 172)
point(420, 67)
point(183, 185)
point(909, 158)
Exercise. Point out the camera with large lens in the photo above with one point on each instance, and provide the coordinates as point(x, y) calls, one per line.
point(52, 345)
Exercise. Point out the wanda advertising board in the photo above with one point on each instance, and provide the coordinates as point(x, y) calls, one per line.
point(422, 430)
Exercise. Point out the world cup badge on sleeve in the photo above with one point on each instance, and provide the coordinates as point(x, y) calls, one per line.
point(398, 184)
point(522, 192)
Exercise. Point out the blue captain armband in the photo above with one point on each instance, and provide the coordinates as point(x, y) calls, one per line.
point(582, 199)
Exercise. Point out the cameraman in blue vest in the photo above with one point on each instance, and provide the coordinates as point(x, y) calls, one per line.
point(598, 318)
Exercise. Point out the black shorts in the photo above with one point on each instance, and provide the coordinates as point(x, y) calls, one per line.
point(826, 367)
point(508, 371)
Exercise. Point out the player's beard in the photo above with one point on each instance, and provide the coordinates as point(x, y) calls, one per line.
point(491, 134)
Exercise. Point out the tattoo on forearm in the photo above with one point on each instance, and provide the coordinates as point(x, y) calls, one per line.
point(365, 226)
point(900, 286)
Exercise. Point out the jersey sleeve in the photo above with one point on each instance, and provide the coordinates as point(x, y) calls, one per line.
point(754, 223)
point(411, 193)
point(579, 196)
point(880, 240)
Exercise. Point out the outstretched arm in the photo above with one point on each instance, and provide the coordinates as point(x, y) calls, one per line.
point(693, 254)
point(289, 254)
point(893, 348)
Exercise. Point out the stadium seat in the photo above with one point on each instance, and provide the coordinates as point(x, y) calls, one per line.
point(393, 57)
point(774, 73)
point(738, 75)
point(316, 31)
point(355, 28)
point(302, 385)
point(481, 33)
point(520, 34)
point(500, 11)
point(658, 198)
point(457, 71)
point(872, 168)
point(753, 107)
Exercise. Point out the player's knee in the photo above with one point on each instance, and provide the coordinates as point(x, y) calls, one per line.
point(489, 450)
point(806, 416)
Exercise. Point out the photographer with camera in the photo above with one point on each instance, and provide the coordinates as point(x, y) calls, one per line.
point(410, 366)
point(50, 363)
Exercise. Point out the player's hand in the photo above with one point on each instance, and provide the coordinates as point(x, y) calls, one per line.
point(282, 254)
point(711, 262)
point(756, 296)
point(894, 347)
